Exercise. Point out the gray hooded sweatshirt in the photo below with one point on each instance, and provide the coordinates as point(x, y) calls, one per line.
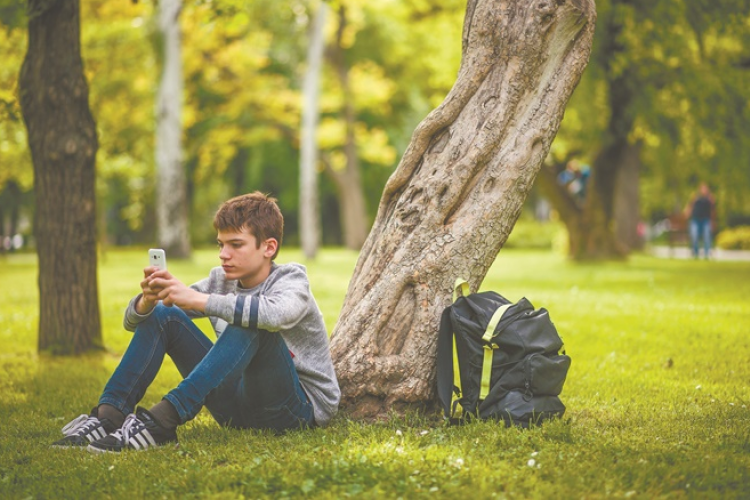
point(282, 303)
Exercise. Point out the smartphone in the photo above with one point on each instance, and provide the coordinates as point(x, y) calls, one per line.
point(157, 258)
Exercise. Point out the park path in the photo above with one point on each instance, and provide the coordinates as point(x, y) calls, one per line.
point(666, 252)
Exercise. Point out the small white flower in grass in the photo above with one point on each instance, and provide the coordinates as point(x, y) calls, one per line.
point(458, 463)
point(698, 387)
point(111, 467)
point(399, 433)
point(424, 433)
point(434, 489)
point(535, 454)
point(531, 462)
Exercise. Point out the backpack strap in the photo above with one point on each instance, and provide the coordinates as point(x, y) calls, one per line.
point(489, 349)
point(460, 284)
point(446, 371)
point(448, 374)
point(456, 409)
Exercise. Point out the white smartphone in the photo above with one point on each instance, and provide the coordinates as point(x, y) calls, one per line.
point(157, 258)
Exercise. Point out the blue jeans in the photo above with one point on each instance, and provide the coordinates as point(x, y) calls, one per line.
point(700, 228)
point(246, 380)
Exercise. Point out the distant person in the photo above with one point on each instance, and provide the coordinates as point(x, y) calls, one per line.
point(270, 367)
point(699, 212)
point(575, 178)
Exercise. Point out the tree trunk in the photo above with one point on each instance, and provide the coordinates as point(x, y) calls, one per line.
point(593, 236)
point(63, 143)
point(605, 225)
point(568, 208)
point(352, 206)
point(351, 196)
point(309, 206)
point(597, 238)
point(627, 210)
point(172, 229)
point(448, 208)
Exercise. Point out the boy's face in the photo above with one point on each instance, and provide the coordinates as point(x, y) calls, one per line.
point(241, 258)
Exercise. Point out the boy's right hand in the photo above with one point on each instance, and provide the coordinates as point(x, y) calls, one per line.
point(149, 298)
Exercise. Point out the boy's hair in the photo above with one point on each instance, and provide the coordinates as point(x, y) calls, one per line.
point(257, 212)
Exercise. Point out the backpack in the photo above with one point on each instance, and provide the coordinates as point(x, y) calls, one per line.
point(498, 360)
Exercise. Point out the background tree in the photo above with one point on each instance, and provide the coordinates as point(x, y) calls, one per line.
point(456, 194)
point(171, 196)
point(347, 175)
point(309, 215)
point(243, 102)
point(63, 143)
point(244, 60)
point(642, 117)
point(16, 170)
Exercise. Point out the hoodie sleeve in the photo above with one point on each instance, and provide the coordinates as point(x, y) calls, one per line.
point(132, 318)
point(279, 306)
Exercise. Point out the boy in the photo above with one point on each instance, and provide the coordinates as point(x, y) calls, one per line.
point(270, 367)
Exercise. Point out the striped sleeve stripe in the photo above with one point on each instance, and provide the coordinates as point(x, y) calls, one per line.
point(239, 306)
point(253, 318)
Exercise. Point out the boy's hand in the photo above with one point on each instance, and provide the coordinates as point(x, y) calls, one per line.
point(172, 292)
point(149, 298)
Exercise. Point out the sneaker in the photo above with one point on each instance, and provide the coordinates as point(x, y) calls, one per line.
point(84, 430)
point(139, 432)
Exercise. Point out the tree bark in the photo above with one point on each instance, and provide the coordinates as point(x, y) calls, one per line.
point(172, 229)
point(351, 196)
point(448, 208)
point(627, 209)
point(63, 143)
point(309, 205)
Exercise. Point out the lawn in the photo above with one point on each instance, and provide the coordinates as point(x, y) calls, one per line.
point(657, 398)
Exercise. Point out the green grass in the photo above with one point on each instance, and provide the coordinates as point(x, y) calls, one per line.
point(657, 398)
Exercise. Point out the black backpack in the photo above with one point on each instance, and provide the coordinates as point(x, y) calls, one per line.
point(498, 360)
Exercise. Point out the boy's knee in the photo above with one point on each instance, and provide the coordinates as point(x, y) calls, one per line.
point(162, 314)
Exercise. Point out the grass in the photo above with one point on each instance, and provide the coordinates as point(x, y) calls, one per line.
point(657, 398)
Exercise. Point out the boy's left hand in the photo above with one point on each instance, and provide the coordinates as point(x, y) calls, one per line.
point(173, 292)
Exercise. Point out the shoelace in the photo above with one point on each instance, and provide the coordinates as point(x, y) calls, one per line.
point(131, 425)
point(81, 423)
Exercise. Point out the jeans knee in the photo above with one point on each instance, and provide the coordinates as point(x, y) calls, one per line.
point(162, 313)
point(160, 318)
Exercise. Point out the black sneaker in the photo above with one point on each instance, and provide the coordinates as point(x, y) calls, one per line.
point(84, 430)
point(139, 432)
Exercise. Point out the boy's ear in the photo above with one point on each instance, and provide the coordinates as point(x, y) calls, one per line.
point(271, 246)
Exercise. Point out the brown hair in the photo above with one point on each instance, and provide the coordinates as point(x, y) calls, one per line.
point(257, 212)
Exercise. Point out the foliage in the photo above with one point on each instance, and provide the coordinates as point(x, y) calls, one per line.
point(657, 399)
point(243, 61)
point(15, 160)
point(120, 67)
point(685, 67)
point(686, 62)
point(736, 238)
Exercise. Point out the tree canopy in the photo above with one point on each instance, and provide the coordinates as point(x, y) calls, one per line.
point(684, 63)
point(685, 67)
